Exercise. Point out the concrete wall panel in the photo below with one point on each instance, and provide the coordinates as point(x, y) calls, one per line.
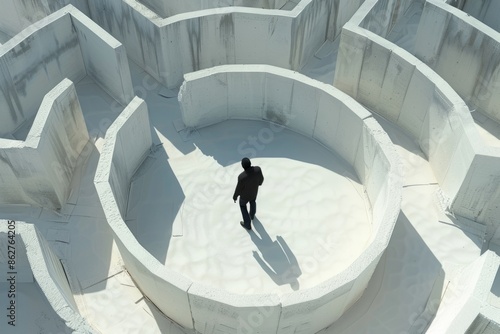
point(327, 122)
point(200, 97)
point(46, 269)
point(349, 61)
point(380, 16)
point(59, 134)
point(41, 168)
point(479, 196)
point(169, 8)
point(105, 59)
point(429, 108)
point(228, 313)
point(255, 33)
point(342, 125)
point(36, 62)
point(465, 52)
point(243, 90)
point(17, 15)
point(131, 130)
point(416, 103)
point(169, 48)
point(485, 11)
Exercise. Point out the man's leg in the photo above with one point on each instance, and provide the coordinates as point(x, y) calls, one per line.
point(253, 209)
point(244, 213)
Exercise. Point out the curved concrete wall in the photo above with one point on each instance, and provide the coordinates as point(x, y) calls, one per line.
point(465, 52)
point(48, 272)
point(485, 11)
point(397, 85)
point(381, 16)
point(169, 48)
point(39, 170)
point(127, 143)
point(166, 8)
point(65, 44)
point(323, 113)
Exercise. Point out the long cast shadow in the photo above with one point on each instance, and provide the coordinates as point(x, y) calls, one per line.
point(276, 258)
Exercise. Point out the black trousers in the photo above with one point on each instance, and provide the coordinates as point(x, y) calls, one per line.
point(247, 217)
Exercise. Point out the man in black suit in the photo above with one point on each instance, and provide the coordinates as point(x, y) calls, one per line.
point(248, 186)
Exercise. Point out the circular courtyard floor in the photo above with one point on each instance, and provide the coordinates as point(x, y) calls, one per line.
point(313, 219)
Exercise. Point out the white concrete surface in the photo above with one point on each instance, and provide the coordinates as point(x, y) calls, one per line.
point(42, 270)
point(20, 14)
point(38, 58)
point(128, 142)
point(402, 89)
point(313, 109)
point(400, 296)
point(166, 9)
point(169, 48)
point(466, 298)
point(484, 11)
point(39, 170)
point(464, 52)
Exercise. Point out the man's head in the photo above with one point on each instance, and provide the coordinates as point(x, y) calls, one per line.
point(245, 163)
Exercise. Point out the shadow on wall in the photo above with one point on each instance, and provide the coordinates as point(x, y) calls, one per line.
point(229, 141)
point(154, 202)
point(408, 274)
point(91, 238)
point(275, 258)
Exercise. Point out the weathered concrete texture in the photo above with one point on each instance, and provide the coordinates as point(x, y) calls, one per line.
point(485, 11)
point(465, 52)
point(398, 86)
point(314, 109)
point(33, 63)
point(39, 171)
point(128, 142)
point(104, 57)
point(17, 15)
point(47, 270)
point(165, 8)
point(380, 16)
point(37, 59)
point(465, 307)
point(168, 48)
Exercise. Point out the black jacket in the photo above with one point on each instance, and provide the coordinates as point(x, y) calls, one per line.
point(248, 184)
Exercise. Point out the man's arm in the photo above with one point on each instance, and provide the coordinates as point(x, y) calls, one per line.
point(237, 191)
point(261, 177)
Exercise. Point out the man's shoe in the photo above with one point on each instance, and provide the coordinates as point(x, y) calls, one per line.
point(251, 218)
point(246, 228)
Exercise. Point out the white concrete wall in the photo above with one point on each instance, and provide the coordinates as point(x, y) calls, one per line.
point(485, 11)
point(34, 62)
point(479, 196)
point(47, 270)
point(128, 141)
point(65, 44)
point(333, 119)
point(396, 85)
point(465, 52)
point(168, 48)
point(104, 57)
point(467, 298)
point(17, 15)
point(165, 8)
point(39, 171)
point(380, 16)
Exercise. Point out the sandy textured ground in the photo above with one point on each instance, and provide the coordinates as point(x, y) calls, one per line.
point(312, 221)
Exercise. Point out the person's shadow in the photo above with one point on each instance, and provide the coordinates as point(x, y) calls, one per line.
point(277, 259)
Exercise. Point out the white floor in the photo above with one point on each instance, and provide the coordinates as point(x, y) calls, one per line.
point(428, 246)
point(312, 217)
